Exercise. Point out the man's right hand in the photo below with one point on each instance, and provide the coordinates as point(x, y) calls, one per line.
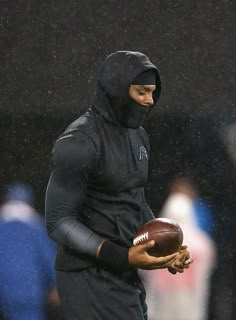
point(139, 258)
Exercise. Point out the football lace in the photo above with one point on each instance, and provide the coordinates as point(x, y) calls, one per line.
point(140, 238)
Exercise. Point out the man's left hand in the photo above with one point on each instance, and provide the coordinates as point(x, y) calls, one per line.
point(182, 262)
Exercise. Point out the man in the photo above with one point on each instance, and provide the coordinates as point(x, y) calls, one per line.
point(189, 292)
point(95, 199)
point(27, 275)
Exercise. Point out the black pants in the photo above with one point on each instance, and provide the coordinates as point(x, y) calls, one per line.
point(93, 294)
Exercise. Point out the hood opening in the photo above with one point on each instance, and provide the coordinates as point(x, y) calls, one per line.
point(115, 77)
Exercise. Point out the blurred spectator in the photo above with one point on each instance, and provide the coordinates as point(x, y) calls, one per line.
point(27, 274)
point(204, 216)
point(183, 296)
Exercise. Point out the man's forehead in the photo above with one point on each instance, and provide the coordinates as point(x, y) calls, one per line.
point(146, 86)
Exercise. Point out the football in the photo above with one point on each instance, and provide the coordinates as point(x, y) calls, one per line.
point(167, 234)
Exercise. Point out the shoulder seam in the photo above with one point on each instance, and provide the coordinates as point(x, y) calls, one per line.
point(69, 134)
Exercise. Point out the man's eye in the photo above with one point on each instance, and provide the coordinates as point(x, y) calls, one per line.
point(141, 93)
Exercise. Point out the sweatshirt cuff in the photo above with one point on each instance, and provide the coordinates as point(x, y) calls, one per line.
point(115, 256)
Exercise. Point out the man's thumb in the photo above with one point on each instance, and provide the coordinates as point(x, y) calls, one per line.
point(148, 245)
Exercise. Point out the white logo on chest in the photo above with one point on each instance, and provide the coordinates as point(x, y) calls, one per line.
point(142, 153)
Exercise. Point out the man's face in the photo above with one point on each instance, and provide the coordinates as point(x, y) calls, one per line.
point(142, 94)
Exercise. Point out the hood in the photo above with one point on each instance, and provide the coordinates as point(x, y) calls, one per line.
point(115, 77)
point(16, 210)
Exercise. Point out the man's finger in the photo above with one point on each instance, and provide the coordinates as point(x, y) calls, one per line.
point(183, 256)
point(188, 261)
point(172, 270)
point(148, 245)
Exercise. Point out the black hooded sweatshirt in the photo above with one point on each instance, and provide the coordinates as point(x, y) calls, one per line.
point(100, 168)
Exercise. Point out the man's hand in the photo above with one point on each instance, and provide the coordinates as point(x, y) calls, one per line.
point(139, 258)
point(182, 262)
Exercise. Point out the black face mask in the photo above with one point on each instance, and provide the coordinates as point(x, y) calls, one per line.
point(133, 114)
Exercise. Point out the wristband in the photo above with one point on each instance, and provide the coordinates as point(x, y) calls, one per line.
point(115, 256)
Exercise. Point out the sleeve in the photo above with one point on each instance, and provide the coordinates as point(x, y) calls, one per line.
point(74, 157)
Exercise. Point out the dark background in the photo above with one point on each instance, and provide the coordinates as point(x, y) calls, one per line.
point(50, 52)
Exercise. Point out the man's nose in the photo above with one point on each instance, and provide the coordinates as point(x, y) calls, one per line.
point(149, 99)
